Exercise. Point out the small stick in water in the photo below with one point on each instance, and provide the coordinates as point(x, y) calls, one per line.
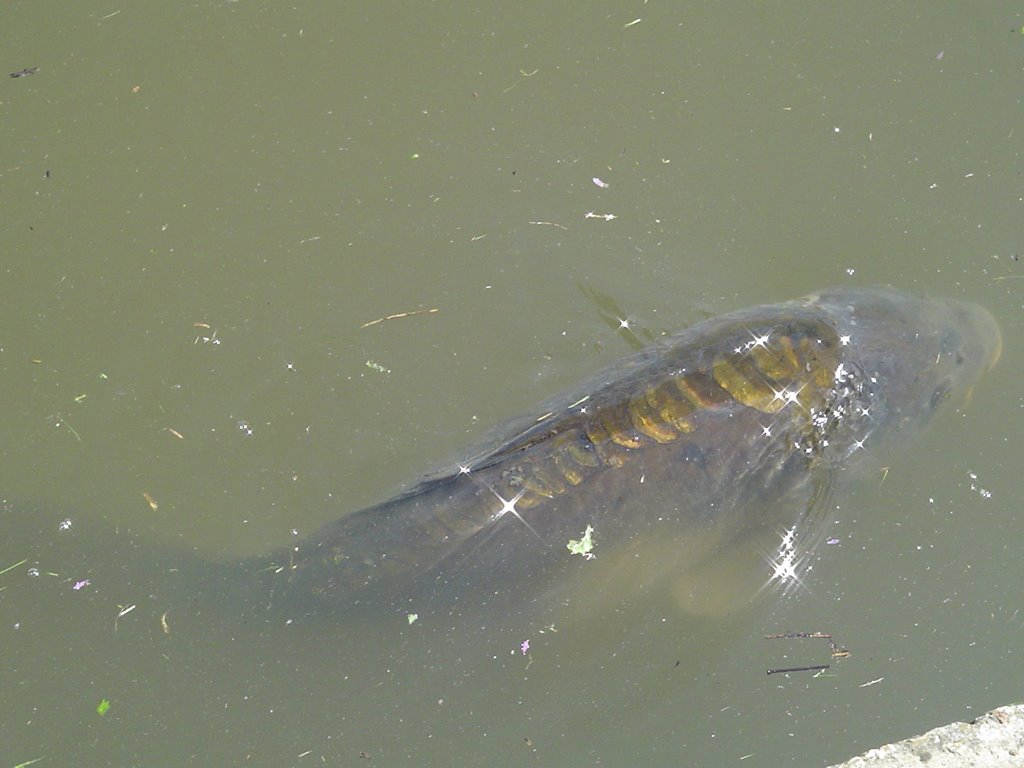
point(400, 314)
point(815, 668)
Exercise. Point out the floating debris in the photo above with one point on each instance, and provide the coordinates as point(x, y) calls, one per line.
point(837, 651)
point(400, 315)
point(583, 546)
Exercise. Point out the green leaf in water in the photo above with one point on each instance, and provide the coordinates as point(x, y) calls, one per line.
point(583, 546)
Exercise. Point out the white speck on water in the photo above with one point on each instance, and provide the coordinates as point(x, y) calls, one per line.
point(983, 492)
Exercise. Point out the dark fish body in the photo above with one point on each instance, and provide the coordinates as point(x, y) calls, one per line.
point(725, 432)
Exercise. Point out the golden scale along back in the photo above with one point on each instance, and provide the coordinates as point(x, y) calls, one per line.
point(783, 366)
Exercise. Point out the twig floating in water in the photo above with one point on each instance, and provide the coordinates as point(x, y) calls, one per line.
point(815, 668)
point(837, 652)
point(400, 315)
point(12, 567)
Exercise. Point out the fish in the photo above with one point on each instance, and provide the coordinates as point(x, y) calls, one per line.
point(730, 432)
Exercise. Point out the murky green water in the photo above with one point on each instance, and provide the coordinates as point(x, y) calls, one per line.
point(205, 204)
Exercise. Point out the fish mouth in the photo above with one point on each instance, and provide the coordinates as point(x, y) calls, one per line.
point(987, 334)
point(997, 350)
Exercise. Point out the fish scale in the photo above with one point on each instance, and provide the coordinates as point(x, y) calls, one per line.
point(800, 360)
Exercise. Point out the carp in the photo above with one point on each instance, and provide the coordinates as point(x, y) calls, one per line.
point(730, 430)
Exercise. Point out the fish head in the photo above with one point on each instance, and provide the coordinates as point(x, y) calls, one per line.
point(908, 357)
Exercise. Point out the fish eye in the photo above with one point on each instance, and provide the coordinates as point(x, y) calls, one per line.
point(950, 343)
